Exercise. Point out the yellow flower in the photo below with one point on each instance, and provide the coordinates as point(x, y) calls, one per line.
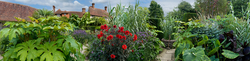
point(36, 21)
point(23, 20)
point(189, 19)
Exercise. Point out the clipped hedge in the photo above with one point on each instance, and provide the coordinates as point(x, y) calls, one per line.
point(188, 16)
point(156, 22)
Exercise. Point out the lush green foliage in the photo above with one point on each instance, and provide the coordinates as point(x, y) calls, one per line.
point(212, 7)
point(42, 13)
point(146, 48)
point(40, 39)
point(86, 22)
point(155, 11)
point(185, 6)
point(168, 27)
point(132, 18)
point(239, 7)
point(112, 41)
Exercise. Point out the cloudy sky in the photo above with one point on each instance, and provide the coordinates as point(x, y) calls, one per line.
point(77, 5)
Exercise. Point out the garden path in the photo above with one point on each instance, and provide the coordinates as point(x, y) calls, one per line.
point(167, 55)
point(1, 57)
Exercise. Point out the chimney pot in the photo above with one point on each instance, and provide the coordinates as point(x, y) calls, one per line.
point(54, 8)
point(83, 9)
point(93, 5)
point(105, 8)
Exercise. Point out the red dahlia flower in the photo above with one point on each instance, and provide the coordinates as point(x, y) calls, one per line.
point(112, 56)
point(101, 33)
point(99, 36)
point(114, 26)
point(102, 27)
point(121, 28)
point(124, 37)
point(110, 37)
point(130, 34)
point(132, 50)
point(124, 47)
point(127, 32)
point(135, 37)
point(105, 26)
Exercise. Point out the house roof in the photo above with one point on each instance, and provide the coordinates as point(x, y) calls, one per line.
point(10, 10)
point(80, 14)
point(97, 12)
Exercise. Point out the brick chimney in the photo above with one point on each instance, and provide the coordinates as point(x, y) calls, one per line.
point(54, 8)
point(93, 5)
point(83, 9)
point(105, 8)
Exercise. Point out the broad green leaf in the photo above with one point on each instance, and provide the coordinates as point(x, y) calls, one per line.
point(23, 54)
point(212, 58)
point(213, 51)
point(229, 54)
point(48, 27)
point(195, 54)
point(12, 34)
point(10, 53)
point(32, 18)
point(202, 42)
point(47, 56)
point(4, 32)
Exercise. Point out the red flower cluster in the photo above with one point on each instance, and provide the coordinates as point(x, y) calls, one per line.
point(100, 35)
point(104, 27)
point(135, 37)
point(121, 29)
point(110, 37)
point(112, 56)
point(124, 47)
point(119, 36)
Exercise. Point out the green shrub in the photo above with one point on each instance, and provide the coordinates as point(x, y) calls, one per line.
point(111, 44)
point(133, 18)
point(146, 48)
point(40, 39)
point(189, 16)
point(168, 27)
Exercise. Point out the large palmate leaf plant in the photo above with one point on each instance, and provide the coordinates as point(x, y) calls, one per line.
point(40, 39)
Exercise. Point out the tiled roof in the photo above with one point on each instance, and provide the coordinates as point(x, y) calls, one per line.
point(10, 10)
point(80, 14)
point(97, 12)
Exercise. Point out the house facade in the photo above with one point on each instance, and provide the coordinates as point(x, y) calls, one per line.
point(94, 12)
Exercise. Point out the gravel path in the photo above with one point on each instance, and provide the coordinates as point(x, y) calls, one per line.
point(1, 57)
point(167, 55)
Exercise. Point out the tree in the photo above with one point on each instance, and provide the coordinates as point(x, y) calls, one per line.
point(156, 16)
point(239, 7)
point(42, 13)
point(155, 10)
point(212, 7)
point(185, 6)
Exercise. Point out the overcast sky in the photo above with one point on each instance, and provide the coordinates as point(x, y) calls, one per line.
point(77, 5)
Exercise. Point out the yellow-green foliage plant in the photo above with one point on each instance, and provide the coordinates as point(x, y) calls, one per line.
point(40, 39)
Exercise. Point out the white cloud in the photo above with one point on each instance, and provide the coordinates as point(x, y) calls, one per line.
point(169, 5)
point(70, 5)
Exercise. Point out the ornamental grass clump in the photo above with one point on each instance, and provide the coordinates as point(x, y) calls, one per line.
point(112, 44)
